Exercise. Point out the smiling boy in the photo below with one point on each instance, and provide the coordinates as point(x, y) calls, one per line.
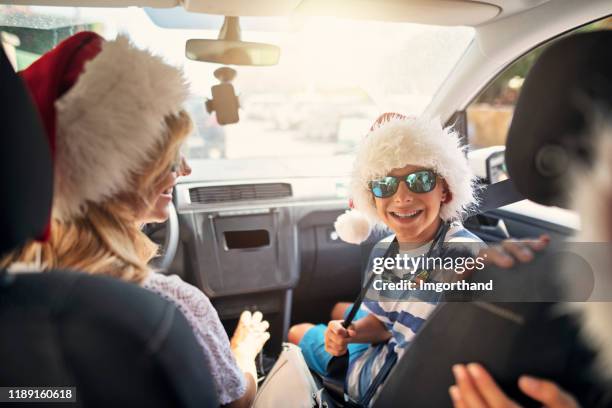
point(411, 176)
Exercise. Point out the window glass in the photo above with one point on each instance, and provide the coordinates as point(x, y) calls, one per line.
point(300, 117)
point(490, 113)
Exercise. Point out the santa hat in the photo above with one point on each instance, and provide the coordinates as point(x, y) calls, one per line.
point(393, 142)
point(103, 105)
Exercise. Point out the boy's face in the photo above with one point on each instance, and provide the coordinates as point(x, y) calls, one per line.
point(414, 217)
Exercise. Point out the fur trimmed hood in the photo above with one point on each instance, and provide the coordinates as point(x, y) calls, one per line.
point(394, 143)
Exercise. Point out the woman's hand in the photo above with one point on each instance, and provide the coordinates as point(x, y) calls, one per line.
point(504, 254)
point(475, 388)
point(249, 338)
point(250, 335)
point(337, 337)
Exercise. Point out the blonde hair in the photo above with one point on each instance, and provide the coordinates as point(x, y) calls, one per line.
point(107, 239)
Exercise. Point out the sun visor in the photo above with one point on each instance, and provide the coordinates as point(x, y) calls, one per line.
point(569, 85)
point(99, 3)
point(437, 12)
point(242, 7)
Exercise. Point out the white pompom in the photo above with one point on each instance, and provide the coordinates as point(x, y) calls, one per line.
point(353, 227)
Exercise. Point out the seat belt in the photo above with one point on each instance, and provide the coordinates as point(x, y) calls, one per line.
point(380, 378)
point(496, 195)
point(338, 366)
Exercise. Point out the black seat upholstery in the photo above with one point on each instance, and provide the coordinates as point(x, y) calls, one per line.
point(560, 100)
point(117, 343)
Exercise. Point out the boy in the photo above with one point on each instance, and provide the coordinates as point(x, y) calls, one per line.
point(411, 175)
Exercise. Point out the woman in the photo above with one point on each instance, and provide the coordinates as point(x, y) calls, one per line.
point(114, 120)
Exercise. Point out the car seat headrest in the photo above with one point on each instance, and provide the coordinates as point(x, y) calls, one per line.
point(26, 169)
point(567, 87)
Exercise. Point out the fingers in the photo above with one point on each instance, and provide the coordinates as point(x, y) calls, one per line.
point(335, 350)
point(519, 250)
point(261, 340)
point(488, 388)
point(540, 243)
point(257, 316)
point(245, 317)
point(336, 338)
point(254, 321)
point(531, 244)
point(335, 346)
point(546, 392)
point(476, 388)
point(505, 254)
point(469, 396)
point(496, 256)
point(336, 327)
point(251, 334)
point(455, 395)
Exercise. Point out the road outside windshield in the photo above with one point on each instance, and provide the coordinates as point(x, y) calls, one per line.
point(334, 78)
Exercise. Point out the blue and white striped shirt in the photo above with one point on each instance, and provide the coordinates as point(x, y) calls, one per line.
point(403, 318)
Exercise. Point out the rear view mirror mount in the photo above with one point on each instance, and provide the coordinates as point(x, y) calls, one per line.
point(224, 101)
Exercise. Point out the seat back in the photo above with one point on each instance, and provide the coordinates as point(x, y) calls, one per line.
point(564, 93)
point(117, 343)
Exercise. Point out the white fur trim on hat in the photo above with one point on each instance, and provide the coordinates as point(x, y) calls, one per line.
point(353, 227)
point(423, 142)
point(109, 122)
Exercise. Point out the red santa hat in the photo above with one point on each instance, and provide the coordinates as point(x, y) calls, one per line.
point(103, 105)
point(395, 141)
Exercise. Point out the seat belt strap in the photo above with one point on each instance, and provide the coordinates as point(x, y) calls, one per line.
point(496, 195)
point(378, 380)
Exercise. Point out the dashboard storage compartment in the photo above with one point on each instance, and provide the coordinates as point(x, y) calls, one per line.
point(246, 252)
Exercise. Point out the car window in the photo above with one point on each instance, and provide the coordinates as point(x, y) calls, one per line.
point(488, 121)
point(490, 113)
point(334, 78)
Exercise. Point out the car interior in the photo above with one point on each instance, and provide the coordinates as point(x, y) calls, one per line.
point(253, 225)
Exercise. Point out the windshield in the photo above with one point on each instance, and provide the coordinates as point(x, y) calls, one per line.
point(304, 114)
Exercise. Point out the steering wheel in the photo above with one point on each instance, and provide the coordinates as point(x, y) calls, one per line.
point(170, 241)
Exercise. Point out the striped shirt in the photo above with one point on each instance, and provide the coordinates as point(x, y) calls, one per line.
point(403, 318)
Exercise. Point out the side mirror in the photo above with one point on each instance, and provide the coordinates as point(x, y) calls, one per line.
point(489, 164)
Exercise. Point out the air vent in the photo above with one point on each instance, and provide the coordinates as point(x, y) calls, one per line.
point(241, 192)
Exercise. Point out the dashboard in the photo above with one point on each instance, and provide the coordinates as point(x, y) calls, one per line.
point(251, 244)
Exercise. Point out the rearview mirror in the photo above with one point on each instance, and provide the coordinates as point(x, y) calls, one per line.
point(228, 49)
point(232, 52)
